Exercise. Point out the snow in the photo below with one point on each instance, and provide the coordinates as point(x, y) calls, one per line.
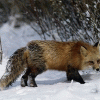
point(13, 39)
point(52, 85)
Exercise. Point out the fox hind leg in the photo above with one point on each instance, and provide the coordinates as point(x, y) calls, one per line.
point(24, 78)
point(73, 74)
point(37, 62)
point(32, 80)
point(40, 68)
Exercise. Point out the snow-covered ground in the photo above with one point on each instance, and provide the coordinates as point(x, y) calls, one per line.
point(12, 38)
point(52, 85)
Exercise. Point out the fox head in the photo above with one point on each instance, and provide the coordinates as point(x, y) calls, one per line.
point(91, 56)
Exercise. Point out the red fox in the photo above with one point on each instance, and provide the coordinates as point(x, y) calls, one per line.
point(38, 56)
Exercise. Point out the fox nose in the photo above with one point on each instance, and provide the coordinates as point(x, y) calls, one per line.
point(97, 69)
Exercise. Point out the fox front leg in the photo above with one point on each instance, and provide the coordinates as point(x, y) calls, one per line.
point(73, 74)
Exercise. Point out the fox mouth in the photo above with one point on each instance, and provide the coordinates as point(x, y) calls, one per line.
point(97, 69)
point(91, 67)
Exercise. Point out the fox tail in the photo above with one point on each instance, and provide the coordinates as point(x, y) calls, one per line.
point(15, 66)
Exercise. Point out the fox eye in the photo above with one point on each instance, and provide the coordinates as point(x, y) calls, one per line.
point(91, 62)
point(98, 61)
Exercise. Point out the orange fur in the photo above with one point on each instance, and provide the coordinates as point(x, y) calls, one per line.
point(59, 55)
point(39, 56)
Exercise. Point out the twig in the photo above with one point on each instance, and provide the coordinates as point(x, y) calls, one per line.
point(0, 52)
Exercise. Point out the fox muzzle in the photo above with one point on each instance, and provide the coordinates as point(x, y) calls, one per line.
point(97, 69)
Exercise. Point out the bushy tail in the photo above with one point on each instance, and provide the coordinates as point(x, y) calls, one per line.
point(15, 66)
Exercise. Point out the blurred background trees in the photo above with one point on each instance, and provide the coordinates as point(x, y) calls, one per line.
point(62, 20)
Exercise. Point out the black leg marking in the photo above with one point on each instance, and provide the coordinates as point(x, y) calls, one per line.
point(23, 82)
point(34, 73)
point(73, 74)
point(32, 80)
point(24, 78)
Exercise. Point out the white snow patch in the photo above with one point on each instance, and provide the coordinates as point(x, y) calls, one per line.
point(52, 85)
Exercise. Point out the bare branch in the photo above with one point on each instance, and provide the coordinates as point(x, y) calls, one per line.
point(0, 51)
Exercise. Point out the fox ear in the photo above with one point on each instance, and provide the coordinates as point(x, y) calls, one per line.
point(96, 44)
point(83, 51)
